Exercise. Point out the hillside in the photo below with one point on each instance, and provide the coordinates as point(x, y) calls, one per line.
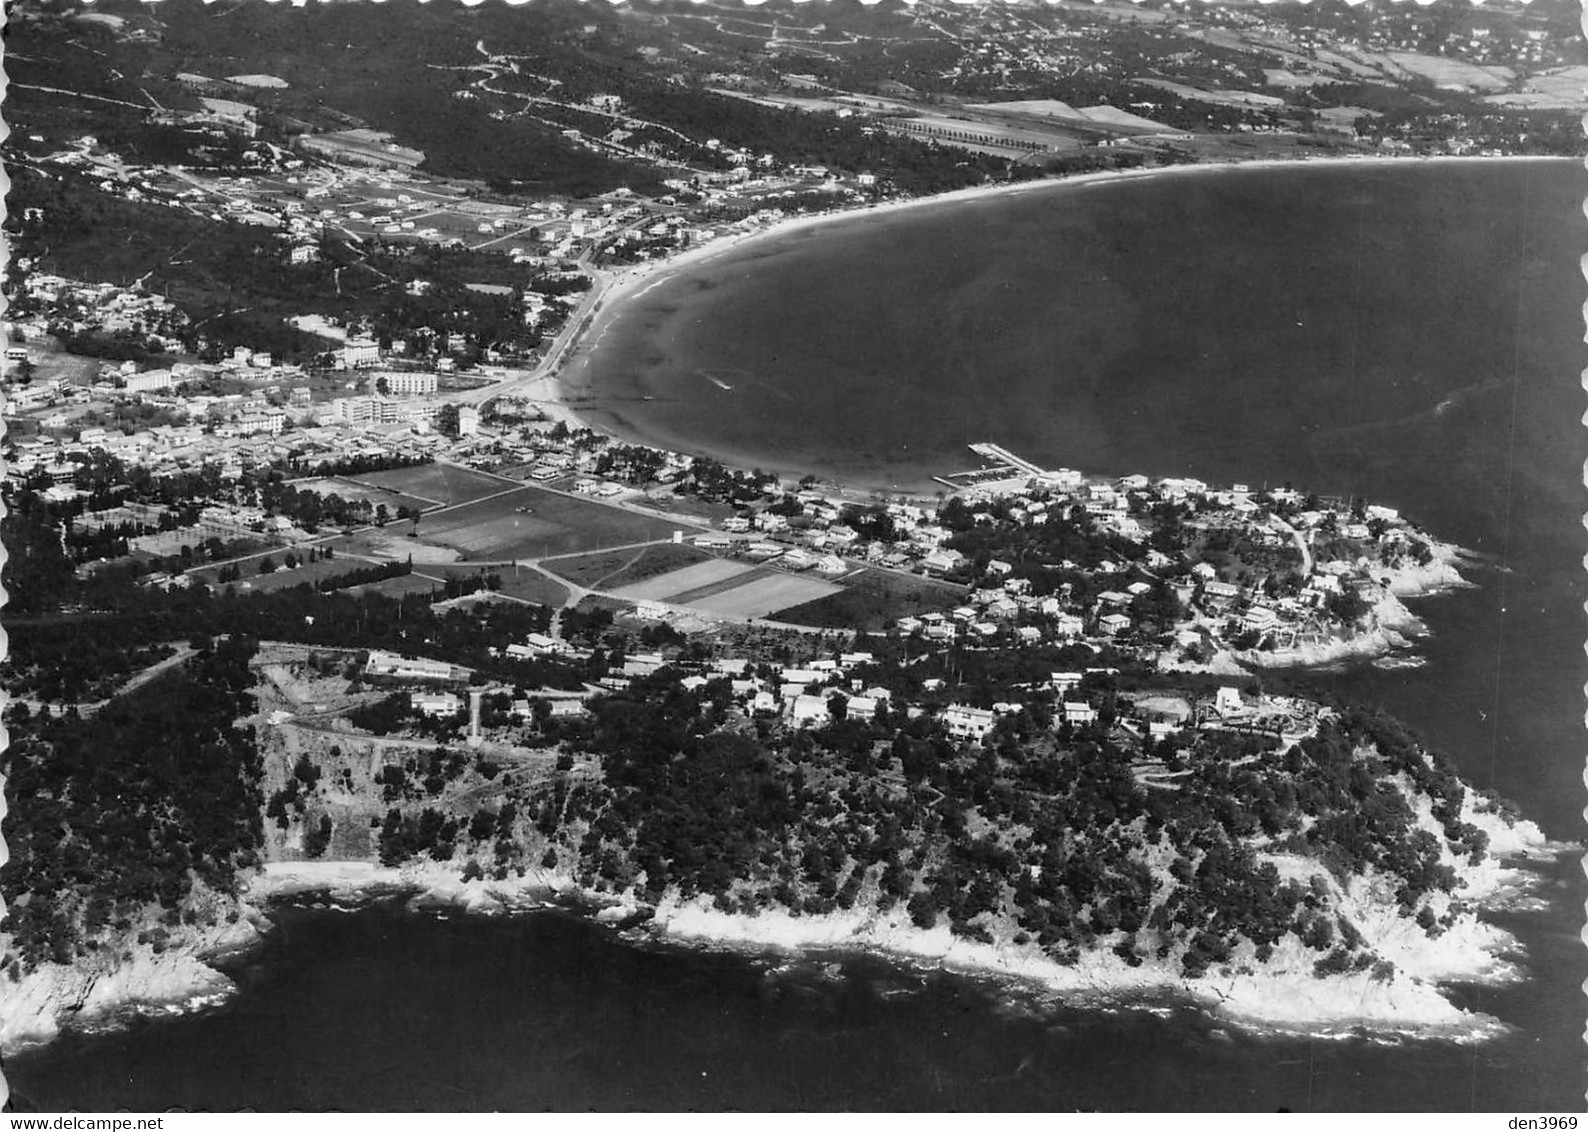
point(1329, 881)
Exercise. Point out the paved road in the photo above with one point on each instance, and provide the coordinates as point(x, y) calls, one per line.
point(572, 329)
point(137, 680)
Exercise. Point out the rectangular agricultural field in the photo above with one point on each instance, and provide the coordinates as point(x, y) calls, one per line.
point(875, 599)
point(527, 585)
point(281, 577)
point(522, 582)
point(531, 523)
point(398, 587)
point(765, 595)
point(351, 491)
point(611, 569)
point(701, 593)
point(666, 586)
point(445, 484)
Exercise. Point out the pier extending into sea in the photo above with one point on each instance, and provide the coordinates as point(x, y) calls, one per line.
point(1000, 464)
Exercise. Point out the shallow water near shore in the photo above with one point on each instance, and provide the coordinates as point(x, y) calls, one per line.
point(1409, 332)
point(1412, 334)
point(382, 1008)
point(1232, 323)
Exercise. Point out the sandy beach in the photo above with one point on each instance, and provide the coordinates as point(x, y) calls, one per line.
point(556, 384)
point(156, 981)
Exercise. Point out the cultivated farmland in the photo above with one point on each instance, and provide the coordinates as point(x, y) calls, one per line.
point(445, 484)
point(523, 583)
point(532, 523)
point(722, 585)
point(668, 586)
point(252, 581)
point(875, 599)
point(613, 568)
point(398, 587)
point(391, 542)
point(353, 491)
point(763, 596)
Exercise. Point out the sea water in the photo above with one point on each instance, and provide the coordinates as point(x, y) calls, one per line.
point(1411, 333)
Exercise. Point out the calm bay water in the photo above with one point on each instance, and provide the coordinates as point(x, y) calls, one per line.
point(1409, 333)
point(382, 1009)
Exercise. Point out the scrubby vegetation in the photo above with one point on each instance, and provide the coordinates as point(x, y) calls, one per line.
point(140, 804)
point(1044, 836)
point(1044, 832)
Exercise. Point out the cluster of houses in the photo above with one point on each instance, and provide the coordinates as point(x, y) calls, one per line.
point(816, 537)
point(378, 202)
point(392, 414)
point(1327, 550)
point(819, 692)
point(380, 665)
point(106, 307)
point(801, 528)
point(222, 522)
point(169, 449)
point(72, 306)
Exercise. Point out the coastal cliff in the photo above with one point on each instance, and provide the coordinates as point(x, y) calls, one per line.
point(130, 974)
point(1287, 989)
point(1283, 862)
point(1312, 943)
point(1386, 628)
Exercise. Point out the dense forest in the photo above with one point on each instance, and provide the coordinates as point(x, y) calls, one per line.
point(470, 637)
point(1034, 835)
point(140, 804)
point(1046, 832)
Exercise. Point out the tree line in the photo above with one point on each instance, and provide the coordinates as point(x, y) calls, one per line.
point(149, 800)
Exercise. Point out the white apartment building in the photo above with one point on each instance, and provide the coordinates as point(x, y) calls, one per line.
point(402, 383)
point(360, 352)
point(155, 379)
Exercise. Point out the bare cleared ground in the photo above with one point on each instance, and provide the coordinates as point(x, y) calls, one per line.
point(300, 714)
point(667, 586)
point(765, 595)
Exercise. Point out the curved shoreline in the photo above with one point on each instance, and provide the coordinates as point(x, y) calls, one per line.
point(560, 388)
point(1281, 995)
point(1278, 996)
point(678, 263)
